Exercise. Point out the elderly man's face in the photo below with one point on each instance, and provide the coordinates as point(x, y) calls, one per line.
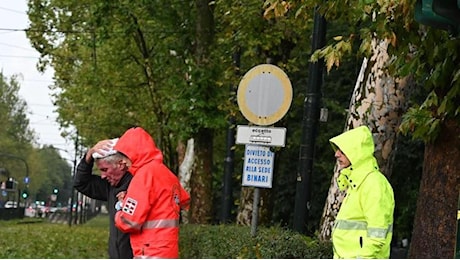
point(112, 172)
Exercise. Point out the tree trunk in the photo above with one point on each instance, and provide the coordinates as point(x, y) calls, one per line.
point(204, 28)
point(435, 225)
point(201, 181)
point(378, 101)
point(185, 170)
point(245, 210)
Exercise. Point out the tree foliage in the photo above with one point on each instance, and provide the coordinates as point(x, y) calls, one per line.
point(20, 156)
point(15, 135)
point(426, 53)
point(124, 63)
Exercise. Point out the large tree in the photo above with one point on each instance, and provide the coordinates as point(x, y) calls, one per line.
point(125, 63)
point(161, 65)
point(203, 82)
point(101, 93)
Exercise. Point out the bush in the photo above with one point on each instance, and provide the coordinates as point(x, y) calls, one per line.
point(41, 239)
point(232, 241)
point(37, 238)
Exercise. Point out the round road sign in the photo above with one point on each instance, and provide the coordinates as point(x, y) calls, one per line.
point(264, 94)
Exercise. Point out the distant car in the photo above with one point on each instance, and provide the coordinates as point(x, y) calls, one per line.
point(43, 211)
point(11, 204)
point(30, 212)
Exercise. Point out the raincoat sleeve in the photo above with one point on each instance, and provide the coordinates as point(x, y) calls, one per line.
point(378, 205)
point(136, 204)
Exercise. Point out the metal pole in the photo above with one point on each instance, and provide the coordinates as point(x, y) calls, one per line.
point(310, 120)
point(227, 197)
point(74, 171)
point(255, 212)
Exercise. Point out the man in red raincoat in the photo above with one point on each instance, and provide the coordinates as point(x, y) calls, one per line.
point(150, 210)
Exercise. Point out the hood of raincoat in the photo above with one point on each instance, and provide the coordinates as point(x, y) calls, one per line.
point(357, 144)
point(139, 147)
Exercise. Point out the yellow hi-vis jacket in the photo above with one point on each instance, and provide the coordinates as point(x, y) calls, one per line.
point(364, 225)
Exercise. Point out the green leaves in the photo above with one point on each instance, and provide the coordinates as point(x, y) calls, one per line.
point(235, 242)
point(46, 240)
point(333, 54)
point(429, 55)
point(421, 123)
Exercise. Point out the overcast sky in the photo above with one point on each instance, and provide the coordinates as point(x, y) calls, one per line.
point(17, 57)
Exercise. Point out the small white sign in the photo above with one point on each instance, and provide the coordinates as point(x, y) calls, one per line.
point(268, 136)
point(258, 166)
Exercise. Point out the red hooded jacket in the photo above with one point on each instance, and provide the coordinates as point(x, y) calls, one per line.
point(151, 207)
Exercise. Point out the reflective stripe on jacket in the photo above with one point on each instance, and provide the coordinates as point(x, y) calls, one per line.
point(364, 225)
point(151, 207)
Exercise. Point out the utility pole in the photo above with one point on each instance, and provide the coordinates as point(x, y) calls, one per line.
point(309, 127)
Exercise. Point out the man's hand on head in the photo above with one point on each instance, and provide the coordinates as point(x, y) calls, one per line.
point(102, 147)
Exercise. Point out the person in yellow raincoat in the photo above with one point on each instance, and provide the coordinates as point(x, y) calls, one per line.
point(364, 225)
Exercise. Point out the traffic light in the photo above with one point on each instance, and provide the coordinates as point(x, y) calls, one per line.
point(25, 194)
point(10, 185)
point(55, 191)
point(441, 14)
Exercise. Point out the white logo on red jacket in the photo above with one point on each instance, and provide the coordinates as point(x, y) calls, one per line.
point(130, 206)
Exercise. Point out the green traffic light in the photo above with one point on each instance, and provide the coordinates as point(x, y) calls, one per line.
point(25, 195)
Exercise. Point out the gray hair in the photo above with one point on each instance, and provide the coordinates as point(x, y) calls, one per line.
point(113, 158)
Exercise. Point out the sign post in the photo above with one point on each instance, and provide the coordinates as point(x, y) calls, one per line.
point(264, 97)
